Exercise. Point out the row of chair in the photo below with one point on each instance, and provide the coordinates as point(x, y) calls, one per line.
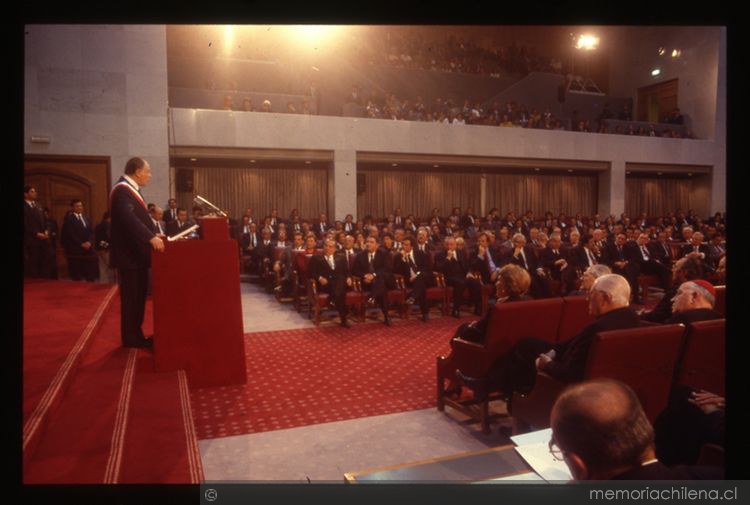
point(557, 320)
point(650, 360)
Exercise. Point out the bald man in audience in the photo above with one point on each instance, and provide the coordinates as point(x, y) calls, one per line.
point(694, 301)
point(600, 430)
point(609, 300)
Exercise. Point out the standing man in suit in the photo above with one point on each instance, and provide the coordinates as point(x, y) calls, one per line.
point(133, 237)
point(171, 213)
point(77, 236)
point(454, 266)
point(414, 266)
point(331, 274)
point(36, 238)
point(373, 266)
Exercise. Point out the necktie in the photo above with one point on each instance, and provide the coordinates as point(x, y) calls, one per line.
point(666, 250)
point(526, 265)
point(252, 240)
point(592, 260)
point(330, 262)
point(412, 264)
point(372, 268)
point(645, 254)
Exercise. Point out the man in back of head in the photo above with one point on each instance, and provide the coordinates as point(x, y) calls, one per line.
point(601, 432)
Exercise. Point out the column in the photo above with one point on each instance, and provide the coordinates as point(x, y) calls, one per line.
point(342, 185)
point(611, 198)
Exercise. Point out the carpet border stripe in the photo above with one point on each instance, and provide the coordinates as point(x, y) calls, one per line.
point(112, 472)
point(31, 427)
point(193, 451)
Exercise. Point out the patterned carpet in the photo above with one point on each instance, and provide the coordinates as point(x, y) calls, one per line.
point(319, 375)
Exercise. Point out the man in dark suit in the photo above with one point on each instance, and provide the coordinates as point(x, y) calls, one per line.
point(660, 249)
point(618, 256)
point(484, 260)
point(171, 212)
point(373, 266)
point(647, 264)
point(555, 260)
point(414, 266)
point(331, 274)
point(157, 215)
point(454, 266)
point(77, 237)
point(716, 250)
point(619, 439)
point(525, 257)
point(132, 238)
point(36, 239)
point(179, 225)
point(321, 227)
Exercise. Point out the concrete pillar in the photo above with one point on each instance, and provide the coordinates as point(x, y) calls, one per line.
point(342, 185)
point(612, 190)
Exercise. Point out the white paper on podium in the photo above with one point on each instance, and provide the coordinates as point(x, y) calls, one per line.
point(539, 458)
point(532, 437)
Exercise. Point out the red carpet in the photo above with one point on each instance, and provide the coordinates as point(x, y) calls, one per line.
point(118, 421)
point(310, 376)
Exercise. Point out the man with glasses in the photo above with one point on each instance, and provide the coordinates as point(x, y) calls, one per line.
point(602, 433)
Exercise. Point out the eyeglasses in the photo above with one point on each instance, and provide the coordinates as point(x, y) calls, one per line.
point(556, 452)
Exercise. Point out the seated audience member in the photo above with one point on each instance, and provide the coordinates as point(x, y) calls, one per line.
point(589, 276)
point(331, 274)
point(619, 256)
point(694, 301)
point(454, 266)
point(721, 270)
point(179, 225)
point(483, 260)
point(284, 266)
point(600, 430)
point(524, 256)
point(513, 283)
point(373, 266)
point(647, 264)
point(555, 260)
point(684, 269)
point(414, 266)
point(609, 301)
point(157, 213)
point(716, 251)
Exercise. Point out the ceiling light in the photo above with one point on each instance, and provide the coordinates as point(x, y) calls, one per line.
point(690, 174)
point(627, 173)
point(587, 42)
point(536, 169)
point(193, 159)
point(435, 166)
point(659, 173)
point(655, 72)
point(308, 162)
point(252, 161)
point(394, 164)
point(662, 51)
point(676, 53)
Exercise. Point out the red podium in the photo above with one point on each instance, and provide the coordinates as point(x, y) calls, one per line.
point(197, 308)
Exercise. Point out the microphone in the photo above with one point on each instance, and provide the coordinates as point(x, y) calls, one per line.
point(202, 201)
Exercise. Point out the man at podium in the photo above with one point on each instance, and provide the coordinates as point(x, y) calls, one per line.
point(132, 236)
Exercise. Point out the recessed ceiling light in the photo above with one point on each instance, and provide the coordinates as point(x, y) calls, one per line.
point(536, 169)
point(435, 166)
point(394, 164)
point(655, 72)
point(570, 170)
point(659, 173)
point(193, 159)
point(690, 174)
point(676, 53)
point(252, 161)
point(308, 162)
point(627, 173)
point(662, 51)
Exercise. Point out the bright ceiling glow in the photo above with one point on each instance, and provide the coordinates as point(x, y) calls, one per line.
point(228, 38)
point(676, 53)
point(655, 72)
point(587, 42)
point(313, 34)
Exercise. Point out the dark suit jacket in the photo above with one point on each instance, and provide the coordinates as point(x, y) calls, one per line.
point(130, 230)
point(547, 259)
point(319, 267)
point(482, 266)
point(168, 215)
point(33, 223)
point(173, 227)
point(579, 258)
point(381, 263)
point(659, 471)
point(570, 362)
point(74, 233)
point(660, 252)
point(692, 316)
point(421, 260)
point(466, 221)
point(531, 259)
point(453, 268)
point(316, 229)
point(688, 248)
point(613, 254)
